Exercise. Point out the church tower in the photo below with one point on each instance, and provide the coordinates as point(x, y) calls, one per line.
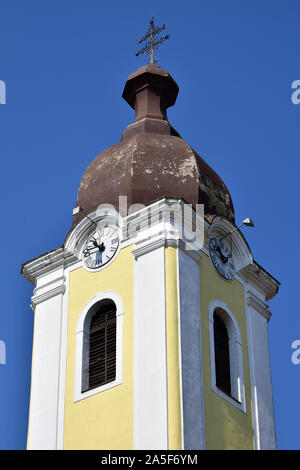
point(151, 321)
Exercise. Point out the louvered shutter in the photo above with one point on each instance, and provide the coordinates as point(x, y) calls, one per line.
point(102, 348)
point(222, 359)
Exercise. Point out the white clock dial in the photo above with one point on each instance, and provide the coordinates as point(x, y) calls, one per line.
point(101, 247)
point(221, 258)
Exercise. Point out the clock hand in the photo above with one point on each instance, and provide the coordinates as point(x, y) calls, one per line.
point(98, 257)
point(87, 252)
point(101, 247)
point(221, 252)
point(90, 250)
point(225, 256)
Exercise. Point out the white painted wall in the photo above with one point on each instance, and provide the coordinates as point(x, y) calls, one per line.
point(149, 372)
point(45, 374)
point(260, 376)
point(191, 352)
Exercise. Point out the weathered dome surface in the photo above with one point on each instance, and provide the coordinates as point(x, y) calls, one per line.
point(152, 161)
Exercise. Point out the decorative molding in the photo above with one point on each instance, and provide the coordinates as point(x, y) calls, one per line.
point(37, 299)
point(46, 263)
point(261, 308)
point(48, 286)
point(166, 242)
point(261, 280)
point(148, 247)
point(156, 225)
point(60, 279)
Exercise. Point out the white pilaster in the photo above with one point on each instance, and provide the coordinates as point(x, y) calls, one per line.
point(149, 369)
point(43, 417)
point(260, 373)
point(191, 351)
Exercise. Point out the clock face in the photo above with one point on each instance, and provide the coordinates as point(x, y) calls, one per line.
point(221, 258)
point(101, 247)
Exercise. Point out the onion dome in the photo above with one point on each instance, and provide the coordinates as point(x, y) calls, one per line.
point(152, 161)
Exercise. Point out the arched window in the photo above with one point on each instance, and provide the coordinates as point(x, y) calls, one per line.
point(102, 345)
point(226, 354)
point(99, 345)
point(222, 359)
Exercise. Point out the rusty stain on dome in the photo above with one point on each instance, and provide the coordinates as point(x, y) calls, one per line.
point(152, 161)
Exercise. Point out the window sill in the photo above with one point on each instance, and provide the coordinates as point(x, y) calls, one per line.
point(228, 394)
point(93, 391)
point(233, 401)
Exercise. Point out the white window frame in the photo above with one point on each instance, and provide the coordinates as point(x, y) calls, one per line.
point(82, 345)
point(237, 397)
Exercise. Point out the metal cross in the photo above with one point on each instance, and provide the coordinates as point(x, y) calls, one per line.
point(153, 44)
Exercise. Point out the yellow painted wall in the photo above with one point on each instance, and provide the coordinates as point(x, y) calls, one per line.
point(104, 420)
point(227, 427)
point(173, 357)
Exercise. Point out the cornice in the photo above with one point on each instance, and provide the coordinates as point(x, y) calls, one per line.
point(46, 263)
point(37, 299)
point(48, 287)
point(158, 224)
point(256, 303)
point(149, 246)
point(166, 212)
point(260, 279)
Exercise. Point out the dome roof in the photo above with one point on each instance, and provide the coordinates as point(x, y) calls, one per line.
point(152, 161)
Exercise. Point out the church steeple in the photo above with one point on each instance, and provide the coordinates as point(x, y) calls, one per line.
point(144, 338)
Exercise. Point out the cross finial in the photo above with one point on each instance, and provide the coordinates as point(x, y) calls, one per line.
point(153, 44)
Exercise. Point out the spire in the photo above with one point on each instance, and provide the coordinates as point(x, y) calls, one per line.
point(153, 44)
point(150, 90)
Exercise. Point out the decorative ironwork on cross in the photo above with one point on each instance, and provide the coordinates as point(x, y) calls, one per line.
point(153, 43)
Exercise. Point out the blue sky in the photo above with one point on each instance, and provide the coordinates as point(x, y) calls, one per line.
point(65, 64)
